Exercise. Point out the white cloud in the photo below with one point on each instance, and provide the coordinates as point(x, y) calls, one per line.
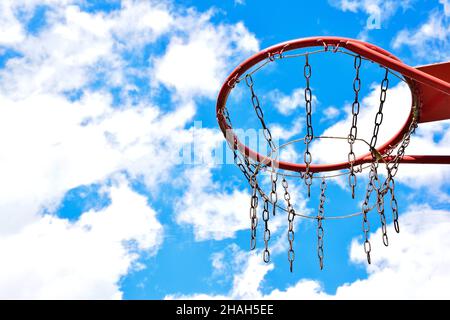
point(287, 104)
point(430, 139)
point(55, 144)
point(149, 21)
point(347, 5)
point(303, 290)
point(213, 213)
point(414, 266)
point(281, 132)
point(430, 41)
point(246, 283)
point(239, 2)
point(330, 113)
point(289, 154)
point(395, 114)
point(51, 144)
point(205, 205)
point(217, 261)
point(11, 30)
point(14, 13)
point(388, 8)
point(75, 41)
point(216, 212)
point(83, 45)
point(49, 150)
point(378, 11)
point(53, 258)
point(196, 63)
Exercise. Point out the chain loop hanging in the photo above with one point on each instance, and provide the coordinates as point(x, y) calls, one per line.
point(291, 216)
point(377, 187)
point(365, 211)
point(259, 113)
point(380, 209)
point(320, 216)
point(267, 135)
point(250, 166)
point(308, 176)
point(266, 217)
point(273, 192)
point(244, 167)
point(274, 175)
point(253, 214)
point(394, 204)
point(354, 129)
point(392, 167)
point(374, 181)
point(379, 114)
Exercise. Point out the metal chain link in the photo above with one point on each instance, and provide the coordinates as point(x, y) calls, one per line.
point(320, 216)
point(380, 209)
point(259, 113)
point(375, 155)
point(365, 210)
point(244, 166)
point(308, 176)
point(253, 214)
point(374, 184)
point(394, 204)
point(266, 217)
point(354, 129)
point(377, 186)
point(274, 175)
point(394, 164)
point(379, 115)
point(392, 167)
point(273, 192)
point(291, 216)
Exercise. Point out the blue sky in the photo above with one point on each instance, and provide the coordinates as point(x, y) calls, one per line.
point(100, 103)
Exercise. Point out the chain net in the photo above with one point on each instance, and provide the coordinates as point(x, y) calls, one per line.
point(376, 188)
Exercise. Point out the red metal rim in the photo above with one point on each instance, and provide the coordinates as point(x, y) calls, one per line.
point(367, 50)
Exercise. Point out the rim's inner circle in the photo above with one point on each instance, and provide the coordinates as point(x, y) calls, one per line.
point(280, 51)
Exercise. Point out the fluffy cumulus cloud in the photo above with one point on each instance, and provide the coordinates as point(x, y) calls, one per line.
point(247, 281)
point(194, 64)
point(214, 210)
point(378, 12)
point(54, 258)
point(428, 42)
point(213, 213)
point(69, 117)
point(413, 267)
point(88, 46)
point(287, 104)
point(54, 145)
point(330, 113)
point(14, 14)
point(283, 132)
point(377, 8)
point(388, 8)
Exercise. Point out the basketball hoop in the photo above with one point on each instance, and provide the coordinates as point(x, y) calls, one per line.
point(430, 96)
